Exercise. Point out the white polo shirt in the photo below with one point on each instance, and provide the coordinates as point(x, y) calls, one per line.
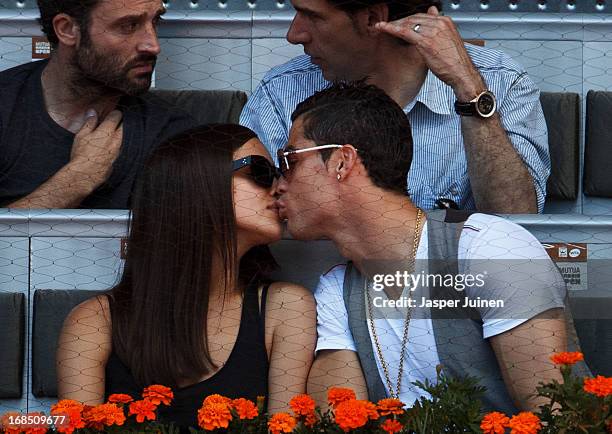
point(484, 237)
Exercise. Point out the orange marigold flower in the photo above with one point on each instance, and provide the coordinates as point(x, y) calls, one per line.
point(217, 399)
point(120, 398)
point(310, 420)
point(351, 414)
point(7, 426)
point(72, 412)
point(336, 395)
point(144, 410)
point(214, 415)
point(158, 394)
point(390, 406)
point(371, 409)
point(103, 415)
point(245, 409)
point(524, 423)
point(494, 423)
point(302, 405)
point(600, 386)
point(36, 430)
point(391, 426)
point(42, 427)
point(566, 358)
point(281, 423)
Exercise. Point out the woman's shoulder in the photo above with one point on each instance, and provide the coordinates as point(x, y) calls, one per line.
point(289, 292)
point(85, 340)
point(83, 349)
point(93, 312)
point(287, 298)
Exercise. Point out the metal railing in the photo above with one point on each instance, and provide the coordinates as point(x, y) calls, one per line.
point(540, 6)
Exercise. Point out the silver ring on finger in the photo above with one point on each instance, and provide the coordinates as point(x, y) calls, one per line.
point(416, 28)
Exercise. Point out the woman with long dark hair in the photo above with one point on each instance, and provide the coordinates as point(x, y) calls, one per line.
point(193, 309)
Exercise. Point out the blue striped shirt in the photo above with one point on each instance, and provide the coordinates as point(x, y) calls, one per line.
point(439, 167)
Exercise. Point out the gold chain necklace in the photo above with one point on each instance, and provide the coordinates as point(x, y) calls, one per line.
point(406, 323)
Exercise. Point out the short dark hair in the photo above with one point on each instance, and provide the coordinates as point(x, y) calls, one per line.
point(80, 10)
point(365, 116)
point(397, 8)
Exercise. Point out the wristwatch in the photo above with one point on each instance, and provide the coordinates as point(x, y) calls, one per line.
point(483, 106)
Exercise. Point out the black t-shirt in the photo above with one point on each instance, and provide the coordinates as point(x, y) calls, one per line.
point(33, 147)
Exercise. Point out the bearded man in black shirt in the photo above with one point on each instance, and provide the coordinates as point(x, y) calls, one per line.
point(74, 130)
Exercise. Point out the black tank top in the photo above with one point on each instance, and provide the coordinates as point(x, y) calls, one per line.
point(244, 375)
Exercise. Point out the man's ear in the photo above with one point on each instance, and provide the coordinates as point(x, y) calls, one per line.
point(377, 13)
point(67, 30)
point(365, 19)
point(346, 162)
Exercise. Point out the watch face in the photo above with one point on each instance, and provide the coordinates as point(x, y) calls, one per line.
point(486, 105)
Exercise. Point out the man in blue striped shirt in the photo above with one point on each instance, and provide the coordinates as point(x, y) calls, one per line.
point(480, 137)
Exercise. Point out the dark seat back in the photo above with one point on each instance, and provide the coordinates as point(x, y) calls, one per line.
point(51, 306)
point(304, 261)
point(206, 106)
point(598, 145)
point(12, 339)
point(562, 113)
point(593, 323)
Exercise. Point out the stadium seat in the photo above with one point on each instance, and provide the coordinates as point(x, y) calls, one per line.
point(594, 328)
point(303, 262)
point(207, 106)
point(12, 339)
point(50, 309)
point(562, 113)
point(598, 142)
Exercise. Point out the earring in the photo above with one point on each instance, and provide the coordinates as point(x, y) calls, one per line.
point(339, 177)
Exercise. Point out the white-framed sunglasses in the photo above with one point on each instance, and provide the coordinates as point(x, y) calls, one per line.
point(283, 155)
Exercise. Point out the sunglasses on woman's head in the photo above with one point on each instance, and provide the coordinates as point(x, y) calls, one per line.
point(262, 171)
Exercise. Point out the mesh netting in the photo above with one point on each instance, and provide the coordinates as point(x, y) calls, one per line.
point(51, 261)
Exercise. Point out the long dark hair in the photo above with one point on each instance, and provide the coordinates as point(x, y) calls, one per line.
point(182, 215)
